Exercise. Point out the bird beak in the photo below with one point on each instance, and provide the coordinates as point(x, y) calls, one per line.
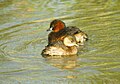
point(77, 45)
point(50, 29)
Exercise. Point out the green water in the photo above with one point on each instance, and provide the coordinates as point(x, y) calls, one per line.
point(23, 35)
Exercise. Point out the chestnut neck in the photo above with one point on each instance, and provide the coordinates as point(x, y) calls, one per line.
point(58, 25)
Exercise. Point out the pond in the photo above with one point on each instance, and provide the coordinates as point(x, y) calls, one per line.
point(23, 35)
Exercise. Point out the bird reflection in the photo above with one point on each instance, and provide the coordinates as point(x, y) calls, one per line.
point(62, 62)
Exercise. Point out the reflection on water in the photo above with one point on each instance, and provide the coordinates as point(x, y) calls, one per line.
point(63, 62)
point(23, 35)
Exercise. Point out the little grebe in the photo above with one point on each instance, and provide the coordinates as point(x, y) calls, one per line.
point(64, 40)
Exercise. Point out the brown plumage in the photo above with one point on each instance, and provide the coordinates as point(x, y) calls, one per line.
point(63, 40)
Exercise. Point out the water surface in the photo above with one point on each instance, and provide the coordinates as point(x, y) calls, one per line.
point(23, 35)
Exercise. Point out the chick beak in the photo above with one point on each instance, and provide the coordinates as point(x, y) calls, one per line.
point(76, 45)
point(50, 29)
